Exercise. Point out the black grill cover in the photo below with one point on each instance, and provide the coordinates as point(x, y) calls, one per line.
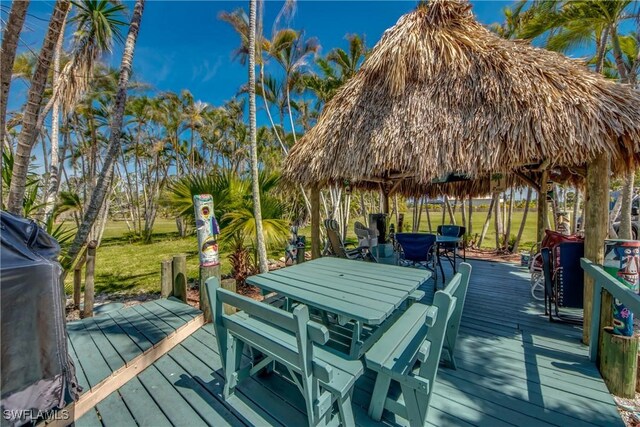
point(37, 374)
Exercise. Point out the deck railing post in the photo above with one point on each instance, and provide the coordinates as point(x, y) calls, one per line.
point(89, 279)
point(166, 279)
point(179, 274)
point(595, 320)
point(77, 286)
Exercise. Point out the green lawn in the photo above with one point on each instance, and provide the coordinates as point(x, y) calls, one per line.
point(131, 268)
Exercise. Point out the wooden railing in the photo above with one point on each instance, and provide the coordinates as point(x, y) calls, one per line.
point(603, 280)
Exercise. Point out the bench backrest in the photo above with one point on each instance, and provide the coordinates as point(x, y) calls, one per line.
point(457, 288)
point(297, 323)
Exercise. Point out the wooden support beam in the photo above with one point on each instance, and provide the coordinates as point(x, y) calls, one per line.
point(179, 275)
point(542, 205)
point(89, 279)
point(596, 226)
point(77, 287)
point(315, 223)
point(384, 197)
point(528, 180)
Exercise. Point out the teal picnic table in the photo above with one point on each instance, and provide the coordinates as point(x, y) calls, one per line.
point(366, 295)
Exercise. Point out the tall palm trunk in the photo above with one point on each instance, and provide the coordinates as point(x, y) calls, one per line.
point(104, 179)
point(10, 37)
point(499, 224)
point(29, 134)
point(487, 221)
point(255, 185)
point(447, 203)
point(624, 232)
point(54, 174)
point(470, 228)
point(426, 210)
point(524, 220)
point(509, 220)
point(576, 206)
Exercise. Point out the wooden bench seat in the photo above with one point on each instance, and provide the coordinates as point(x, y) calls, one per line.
point(324, 377)
point(396, 352)
point(344, 372)
point(419, 335)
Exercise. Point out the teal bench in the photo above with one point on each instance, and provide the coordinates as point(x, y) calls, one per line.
point(324, 376)
point(418, 335)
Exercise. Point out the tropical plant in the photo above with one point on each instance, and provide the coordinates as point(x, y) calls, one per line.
point(104, 179)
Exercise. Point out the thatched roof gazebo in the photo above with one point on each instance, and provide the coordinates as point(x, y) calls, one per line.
point(440, 94)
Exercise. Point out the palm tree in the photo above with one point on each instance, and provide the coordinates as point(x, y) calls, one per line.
point(10, 37)
point(29, 134)
point(52, 181)
point(574, 23)
point(194, 115)
point(349, 62)
point(291, 51)
point(104, 179)
point(257, 211)
point(97, 26)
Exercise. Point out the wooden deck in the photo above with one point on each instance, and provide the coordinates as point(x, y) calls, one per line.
point(514, 368)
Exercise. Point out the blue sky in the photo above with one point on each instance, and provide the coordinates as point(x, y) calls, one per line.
point(183, 44)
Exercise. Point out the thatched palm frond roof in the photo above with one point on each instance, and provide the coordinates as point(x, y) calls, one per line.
point(440, 93)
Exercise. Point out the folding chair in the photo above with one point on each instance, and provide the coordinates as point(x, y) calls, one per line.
point(453, 231)
point(367, 239)
point(419, 250)
point(336, 247)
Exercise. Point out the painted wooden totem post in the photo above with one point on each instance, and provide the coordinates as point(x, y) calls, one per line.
point(622, 261)
point(208, 230)
point(618, 360)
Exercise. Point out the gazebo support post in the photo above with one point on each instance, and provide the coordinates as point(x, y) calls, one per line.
point(542, 205)
point(384, 196)
point(315, 223)
point(596, 226)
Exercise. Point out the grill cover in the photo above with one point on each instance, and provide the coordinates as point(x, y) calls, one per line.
point(37, 374)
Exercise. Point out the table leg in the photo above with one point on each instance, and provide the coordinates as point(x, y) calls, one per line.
point(439, 264)
point(455, 255)
point(356, 343)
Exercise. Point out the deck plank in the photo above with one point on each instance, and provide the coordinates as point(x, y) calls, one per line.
point(93, 364)
point(197, 396)
point(144, 409)
point(167, 397)
point(114, 413)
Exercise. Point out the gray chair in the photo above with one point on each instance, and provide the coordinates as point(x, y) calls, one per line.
point(335, 246)
point(367, 239)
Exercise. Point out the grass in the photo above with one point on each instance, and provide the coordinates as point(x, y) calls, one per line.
point(126, 267)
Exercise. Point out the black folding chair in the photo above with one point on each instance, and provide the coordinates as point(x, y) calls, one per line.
point(452, 230)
